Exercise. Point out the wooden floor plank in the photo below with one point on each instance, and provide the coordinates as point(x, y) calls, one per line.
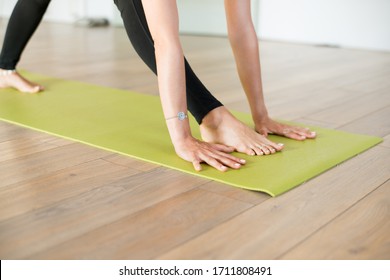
point(310, 122)
point(379, 82)
point(361, 232)
point(43, 228)
point(34, 165)
point(10, 132)
point(386, 141)
point(251, 197)
point(377, 123)
point(58, 141)
point(353, 108)
point(142, 236)
point(17, 148)
point(270, 229)
point(130, 162)
point(41, 192)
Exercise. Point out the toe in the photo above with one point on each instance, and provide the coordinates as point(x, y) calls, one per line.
point(258, 150)
point(271, 149)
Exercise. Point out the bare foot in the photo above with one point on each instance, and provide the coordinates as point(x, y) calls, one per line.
point(220, 126)
point(12, 79)
point(269, 126)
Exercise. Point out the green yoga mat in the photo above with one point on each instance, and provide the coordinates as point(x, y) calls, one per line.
point(132, 124)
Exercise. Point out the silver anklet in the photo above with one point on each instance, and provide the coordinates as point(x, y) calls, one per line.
point(7, 72)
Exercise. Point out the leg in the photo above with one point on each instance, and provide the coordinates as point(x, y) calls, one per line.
point(217, 124)
point(24, 20)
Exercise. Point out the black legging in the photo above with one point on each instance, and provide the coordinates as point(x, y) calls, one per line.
point(24, 20)
point(27, 15)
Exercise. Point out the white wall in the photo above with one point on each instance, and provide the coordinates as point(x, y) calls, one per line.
point(361, 24)
point(206, 16)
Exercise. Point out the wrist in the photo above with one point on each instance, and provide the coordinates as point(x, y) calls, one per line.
point(261, 117)
point(181, 116)
point(179, 130)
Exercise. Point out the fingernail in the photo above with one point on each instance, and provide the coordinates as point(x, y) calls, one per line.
point(237, 164)
point(281, 144)
point(243, 160)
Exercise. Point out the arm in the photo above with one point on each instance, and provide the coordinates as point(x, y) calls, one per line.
point(163, 23)
point(245, 47)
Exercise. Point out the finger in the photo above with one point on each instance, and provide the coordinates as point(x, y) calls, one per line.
point(294, 135)
point(224, 151)
point(231, 157)
point(300, 130)
point(223, 148)
point(307, 132)
point(304, 132)
point(312, 135)
point(214, 163)
point(227, 161)
point(197, 165)
point(299, 133)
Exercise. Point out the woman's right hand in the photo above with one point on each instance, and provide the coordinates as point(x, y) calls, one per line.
point(215, 155)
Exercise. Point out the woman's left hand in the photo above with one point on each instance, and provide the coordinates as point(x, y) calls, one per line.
point(269, 126)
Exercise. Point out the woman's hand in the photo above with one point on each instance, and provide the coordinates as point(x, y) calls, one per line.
point(269, 126)
point(215, 155)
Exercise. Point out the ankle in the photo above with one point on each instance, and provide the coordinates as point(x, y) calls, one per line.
point(7, 72)
point(215, 117)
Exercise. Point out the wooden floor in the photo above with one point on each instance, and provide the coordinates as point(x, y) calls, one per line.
point(65, 200)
